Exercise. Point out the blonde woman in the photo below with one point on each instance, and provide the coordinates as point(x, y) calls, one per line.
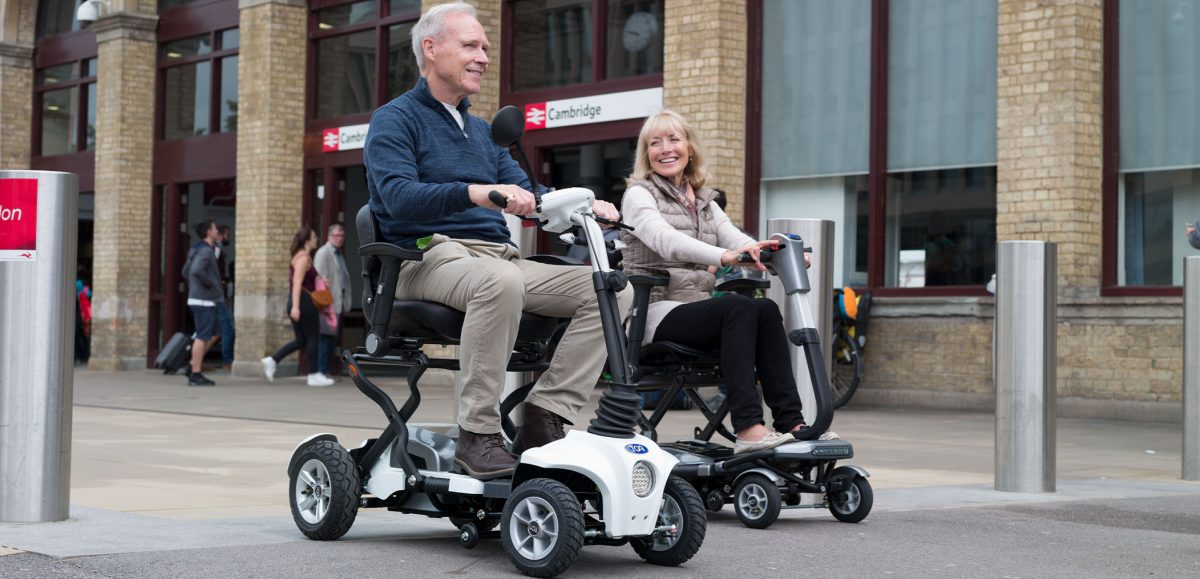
point(680, 232)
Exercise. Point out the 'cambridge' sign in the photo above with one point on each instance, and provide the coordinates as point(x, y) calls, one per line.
point(601, 108)
point(343, 138)
point(18, 219)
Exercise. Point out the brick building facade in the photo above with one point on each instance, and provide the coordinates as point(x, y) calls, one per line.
point(1119, 351)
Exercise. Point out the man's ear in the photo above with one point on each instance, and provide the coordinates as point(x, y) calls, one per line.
point(427, 48)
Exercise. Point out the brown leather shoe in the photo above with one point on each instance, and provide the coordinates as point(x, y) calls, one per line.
point(482, 456)
point(538, 427)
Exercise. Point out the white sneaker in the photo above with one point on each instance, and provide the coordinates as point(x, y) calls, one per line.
point(269, 368)
point(319, 380)
point(769, 440)
point(829, 435)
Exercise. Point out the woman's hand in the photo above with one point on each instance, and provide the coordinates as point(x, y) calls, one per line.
point(295, 313)
point(754, 249)
point(605, 210)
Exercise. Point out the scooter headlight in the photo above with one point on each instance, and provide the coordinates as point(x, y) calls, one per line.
point(643, 479)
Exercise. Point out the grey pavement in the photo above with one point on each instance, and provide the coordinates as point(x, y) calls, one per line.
point(175, 481)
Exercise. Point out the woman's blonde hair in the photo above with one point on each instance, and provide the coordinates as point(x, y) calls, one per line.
point(664, 122)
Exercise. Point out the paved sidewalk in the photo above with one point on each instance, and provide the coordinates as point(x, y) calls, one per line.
point(161, 469)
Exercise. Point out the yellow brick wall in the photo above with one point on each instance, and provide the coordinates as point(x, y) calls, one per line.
point(16, 100)
point(1049, 132)
point(704, 79)
point(124, 160)
point(270, 168)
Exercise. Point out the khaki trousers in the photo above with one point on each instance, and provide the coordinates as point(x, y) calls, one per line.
point(493, 285)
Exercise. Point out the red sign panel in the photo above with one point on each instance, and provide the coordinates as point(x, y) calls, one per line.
point(18, 219)
point(535, 116)
point(329, 140)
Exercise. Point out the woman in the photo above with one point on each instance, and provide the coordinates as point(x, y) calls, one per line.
point(679, 231)
point(306, 323)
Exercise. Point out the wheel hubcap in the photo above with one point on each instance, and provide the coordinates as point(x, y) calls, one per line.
point(848, 500)
point(669, 514)
point(751, 500)
point(534, 528)
point(312, 491)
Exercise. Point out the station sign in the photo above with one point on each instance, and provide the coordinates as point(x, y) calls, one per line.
point(18, 219)
point(345, 138)
point(601, 108)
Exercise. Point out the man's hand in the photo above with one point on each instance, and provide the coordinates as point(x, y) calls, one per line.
point(520, 201)
point(605, 210)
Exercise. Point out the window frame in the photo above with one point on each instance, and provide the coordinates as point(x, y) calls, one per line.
point(75, 46)
point(379, 91)
point(878, 172)
point(599, 83)
point(215, 27)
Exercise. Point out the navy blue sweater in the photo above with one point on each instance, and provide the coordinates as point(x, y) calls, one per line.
point(419, 165)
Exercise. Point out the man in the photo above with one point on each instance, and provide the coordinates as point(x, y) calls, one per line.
point(331, 265)
point(224, 316)
point(430, 165)
point(204, 291)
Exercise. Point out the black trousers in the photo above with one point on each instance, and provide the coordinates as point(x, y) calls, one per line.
point(750, 336)
point(307, 332)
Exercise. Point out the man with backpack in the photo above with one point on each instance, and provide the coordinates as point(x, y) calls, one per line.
point(204, 291)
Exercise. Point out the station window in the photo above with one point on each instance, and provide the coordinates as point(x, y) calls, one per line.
point(200, 80)
point(356, 44)
point(65, 96)
point(560, 43)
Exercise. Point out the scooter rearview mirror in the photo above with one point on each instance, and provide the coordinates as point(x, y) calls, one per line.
point(507, 127)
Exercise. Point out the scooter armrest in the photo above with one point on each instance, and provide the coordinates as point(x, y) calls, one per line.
point(554, 259)
point(383, 250)
point(649, 280)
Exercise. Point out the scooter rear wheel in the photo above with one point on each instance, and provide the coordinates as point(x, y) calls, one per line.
point(542, 527)
point(325, 491)
point(756, 501)
point(682, 507)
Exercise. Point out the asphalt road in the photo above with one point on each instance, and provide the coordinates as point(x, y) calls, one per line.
point(1144, 537)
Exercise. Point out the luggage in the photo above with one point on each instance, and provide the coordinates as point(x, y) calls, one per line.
point(176, 354)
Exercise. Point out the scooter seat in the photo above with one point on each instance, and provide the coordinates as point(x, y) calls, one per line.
point(665, 353)
point(432, 321)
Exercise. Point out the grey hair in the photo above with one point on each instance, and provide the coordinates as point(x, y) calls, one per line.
point(433, 25)
point(336, 227)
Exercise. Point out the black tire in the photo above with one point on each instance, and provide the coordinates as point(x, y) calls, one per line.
point(847, 367)
point(683, 507)
point(324, 490)
point(852, 501)
point(537, 509)
point(756, 501)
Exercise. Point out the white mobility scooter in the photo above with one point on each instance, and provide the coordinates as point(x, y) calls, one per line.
point(605, 486)
point(758, 484)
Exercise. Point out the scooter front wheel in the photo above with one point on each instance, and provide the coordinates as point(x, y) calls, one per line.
point(542, 527)
point(756, 501)
point(325, 491)
point(683, 508)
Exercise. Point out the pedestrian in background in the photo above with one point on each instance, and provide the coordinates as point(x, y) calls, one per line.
point(204, 291)
point(224, 312)
point(330, 262)
point(302, 281)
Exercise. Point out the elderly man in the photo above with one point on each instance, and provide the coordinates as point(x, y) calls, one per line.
point(331, 265)
point(430, 165)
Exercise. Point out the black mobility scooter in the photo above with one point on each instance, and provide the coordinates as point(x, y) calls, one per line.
point(761, 483)
point(606, 486)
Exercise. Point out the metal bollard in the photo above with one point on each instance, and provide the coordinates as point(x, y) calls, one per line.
point(1191, 367)
point(818, 234)
point(37, 315)
point(1026, 362)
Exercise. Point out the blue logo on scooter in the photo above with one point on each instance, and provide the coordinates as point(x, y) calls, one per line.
point(636, 448)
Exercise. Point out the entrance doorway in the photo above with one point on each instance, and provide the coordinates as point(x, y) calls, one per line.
point(335, 196)
point(175, 210)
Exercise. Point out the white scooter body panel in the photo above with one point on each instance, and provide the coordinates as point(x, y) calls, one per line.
point(609, 463)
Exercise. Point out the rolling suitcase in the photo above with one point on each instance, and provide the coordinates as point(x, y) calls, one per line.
point(176, 354)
